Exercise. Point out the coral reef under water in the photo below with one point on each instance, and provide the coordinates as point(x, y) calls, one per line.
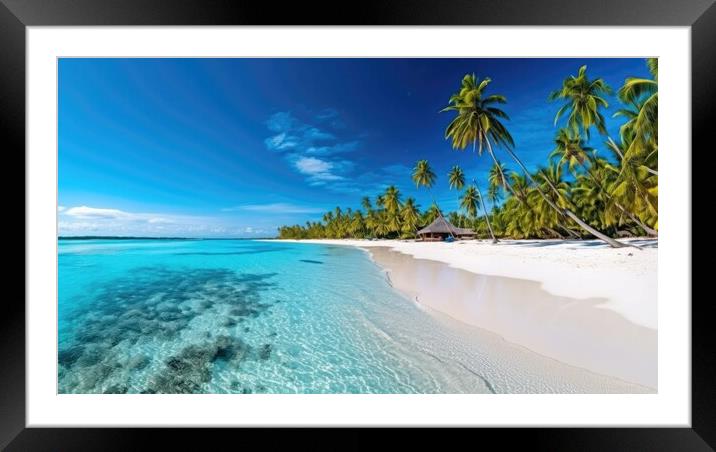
point(120, 339)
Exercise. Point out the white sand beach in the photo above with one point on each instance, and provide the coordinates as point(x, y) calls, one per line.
point(580, 302)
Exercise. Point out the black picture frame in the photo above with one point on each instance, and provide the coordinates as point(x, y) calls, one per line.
point(15, 15)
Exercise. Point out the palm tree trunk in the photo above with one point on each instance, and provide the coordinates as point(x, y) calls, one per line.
point(616, 149)
point(633, 217)
point(571, 233)
point(613, 243)
point(487, 216)
point(512, 190)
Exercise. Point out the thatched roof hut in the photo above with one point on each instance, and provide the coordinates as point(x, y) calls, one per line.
point(441, 228)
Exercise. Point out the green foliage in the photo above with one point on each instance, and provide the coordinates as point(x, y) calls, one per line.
point(613, 195)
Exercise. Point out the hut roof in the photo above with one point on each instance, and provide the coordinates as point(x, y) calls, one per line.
point(441, 226)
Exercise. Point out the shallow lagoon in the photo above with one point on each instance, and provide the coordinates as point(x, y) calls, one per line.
point(238, 316)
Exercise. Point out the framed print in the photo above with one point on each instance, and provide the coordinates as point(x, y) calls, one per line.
point(446, 217)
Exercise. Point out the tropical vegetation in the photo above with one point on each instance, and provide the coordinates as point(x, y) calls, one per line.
point(575, 193)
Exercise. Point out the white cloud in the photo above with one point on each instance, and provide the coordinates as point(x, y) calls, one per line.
point(92, 212)
point(160, 220)
point(61, 208)
point(312, 166)
point(320, 171)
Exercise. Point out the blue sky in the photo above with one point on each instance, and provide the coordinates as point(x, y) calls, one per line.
point(237, 147)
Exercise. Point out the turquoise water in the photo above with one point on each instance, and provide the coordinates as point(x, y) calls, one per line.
point(239, 316)
point(236, 316)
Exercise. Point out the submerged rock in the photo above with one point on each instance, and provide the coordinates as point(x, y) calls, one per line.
point(186, 372)
point(156, 305)
point(265, 352)
point(116, 389)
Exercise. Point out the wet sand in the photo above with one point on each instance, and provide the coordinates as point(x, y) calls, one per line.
point(575, 331)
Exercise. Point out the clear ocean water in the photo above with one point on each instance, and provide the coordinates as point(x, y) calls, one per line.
point(239, 316)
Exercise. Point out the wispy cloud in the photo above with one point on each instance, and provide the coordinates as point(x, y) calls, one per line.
point(291, 134)
point(312, 149)
point(319, 171)
point(278, 208)
point(84, 212)
point(86, 220)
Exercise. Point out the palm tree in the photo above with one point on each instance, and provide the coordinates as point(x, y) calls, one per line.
point(544, 217)
point(478, 119)
point(635, 188)
point(424, 176)
point(456, 178)
point(391, 199)
point(410, 216)
point(371, 223)
point(478, 122)
point(357, 224)
point(582, 99)
point(573, 151)
point(382, 227)
point(365, 203)
point(380, 201)
point(469, 200)
point(643, 96)
point(498, 177)
point(391, 202)
point(431, 214)
point(493, 195)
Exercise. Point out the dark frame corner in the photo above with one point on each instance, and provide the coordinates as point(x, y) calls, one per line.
point(15, 15)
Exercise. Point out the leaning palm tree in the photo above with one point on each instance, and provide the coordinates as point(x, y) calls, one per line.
point(478, 122)
point(571, 150)
point(469, 201)
point(582, 99)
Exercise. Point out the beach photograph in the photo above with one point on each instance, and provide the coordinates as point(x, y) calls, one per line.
point(357, 226)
